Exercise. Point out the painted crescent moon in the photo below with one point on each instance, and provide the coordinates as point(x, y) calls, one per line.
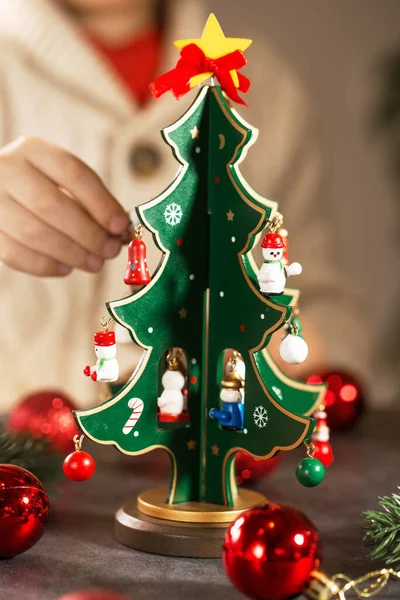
point(221, 141)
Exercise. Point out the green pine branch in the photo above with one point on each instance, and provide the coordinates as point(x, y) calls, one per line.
point(383, 530)
point(37, 455)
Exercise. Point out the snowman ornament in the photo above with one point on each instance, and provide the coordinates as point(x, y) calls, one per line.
point(172, 400)
point(106, 368)
point(273, 275)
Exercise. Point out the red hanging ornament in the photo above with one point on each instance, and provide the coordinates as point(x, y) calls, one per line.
point(24, 510)
point(79, 465)
point(137, 272)
point(344, 399)
point(46, 414)
point(249, 468)
point(270, 552)
point(320, 439)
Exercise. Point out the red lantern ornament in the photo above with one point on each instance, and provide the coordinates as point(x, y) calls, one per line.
point(137, 272)
point(94, 594)
point(250, 469)
point(344, 399)
point(79, 465)
point(46, 414)
point(24, 510)
point(320, 439)
point(270, 551)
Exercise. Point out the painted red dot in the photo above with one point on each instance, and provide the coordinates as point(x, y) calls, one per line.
point(217, 179)
point(242, 328)
point(179, 241)
point(193, 379)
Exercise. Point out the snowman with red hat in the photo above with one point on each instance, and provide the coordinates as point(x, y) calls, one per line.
point(272, 275)
point(106, 367)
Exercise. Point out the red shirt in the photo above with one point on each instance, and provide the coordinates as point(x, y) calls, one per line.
point(135, 62)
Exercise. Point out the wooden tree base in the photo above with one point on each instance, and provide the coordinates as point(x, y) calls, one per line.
point(177, 533)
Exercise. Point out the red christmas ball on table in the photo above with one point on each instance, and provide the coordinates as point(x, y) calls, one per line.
point(270, 551)
point(344, 399)
point(24, 510)
point(46, 414)
point(249, 468)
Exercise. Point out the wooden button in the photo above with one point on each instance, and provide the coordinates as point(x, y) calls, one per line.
point(145, 160)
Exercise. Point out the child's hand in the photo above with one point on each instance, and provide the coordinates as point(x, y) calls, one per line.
point(55, 213)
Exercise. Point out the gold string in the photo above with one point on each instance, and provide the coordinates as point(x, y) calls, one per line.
point(380, 579)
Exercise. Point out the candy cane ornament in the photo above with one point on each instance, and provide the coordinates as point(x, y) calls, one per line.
point(136, 404)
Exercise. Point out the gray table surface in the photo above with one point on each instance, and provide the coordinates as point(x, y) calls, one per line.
point(78, 551)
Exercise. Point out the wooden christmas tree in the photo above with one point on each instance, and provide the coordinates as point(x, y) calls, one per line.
point(204, 298)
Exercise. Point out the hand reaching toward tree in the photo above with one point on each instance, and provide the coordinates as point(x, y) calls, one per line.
point(55, 213)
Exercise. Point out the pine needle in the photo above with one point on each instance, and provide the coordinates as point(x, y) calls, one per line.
point(383, 530)
point(37, 455)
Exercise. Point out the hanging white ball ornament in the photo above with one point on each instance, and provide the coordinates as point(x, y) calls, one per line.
point(293, 349)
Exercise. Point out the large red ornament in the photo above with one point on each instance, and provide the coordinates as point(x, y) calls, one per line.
point(24, 510)
point(79, 466)
point(46, 414)
point(137, 272)
point(94, 595)
point(344, 399)
point(270, 551)
point(249, 468)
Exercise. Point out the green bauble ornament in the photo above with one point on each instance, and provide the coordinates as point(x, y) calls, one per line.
point(310, 472)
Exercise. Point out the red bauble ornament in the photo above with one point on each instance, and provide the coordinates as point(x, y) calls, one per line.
point(344, 399)
point(94, 595)
point(79, 466)
point(270, 551)
point(24, 510)
point(249, 469)
point(46, 414)
point(323, 452)
point(137, 272)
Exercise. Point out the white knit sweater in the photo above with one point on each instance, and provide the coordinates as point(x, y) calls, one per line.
point(53, 85)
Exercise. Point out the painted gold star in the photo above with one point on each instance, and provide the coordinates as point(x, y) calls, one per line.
point(183, 313)
point(215, 450)
point(214, 44)
point(195, 132)
point(191, 444)
point(230, 215)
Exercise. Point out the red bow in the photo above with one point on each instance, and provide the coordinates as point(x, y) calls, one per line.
point(193, 62)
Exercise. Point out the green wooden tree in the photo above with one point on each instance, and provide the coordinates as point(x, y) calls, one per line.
point(204, 299)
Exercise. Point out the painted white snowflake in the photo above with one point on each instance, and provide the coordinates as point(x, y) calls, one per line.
point(173, 214)
point(260, 416)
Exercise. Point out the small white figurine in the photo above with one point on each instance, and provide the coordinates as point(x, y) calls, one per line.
point(172, 400)
point(272, 275)
point(106, 368)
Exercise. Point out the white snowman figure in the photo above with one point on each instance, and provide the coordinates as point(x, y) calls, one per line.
point(106, 368)
point(172, 400)
point(272, 275)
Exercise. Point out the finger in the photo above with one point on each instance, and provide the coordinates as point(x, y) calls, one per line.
point(35, 192)
point(31, 232)
point(18, 257)
point(69, 172)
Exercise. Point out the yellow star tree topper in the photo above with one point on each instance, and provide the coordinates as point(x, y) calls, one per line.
point(214, 44)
